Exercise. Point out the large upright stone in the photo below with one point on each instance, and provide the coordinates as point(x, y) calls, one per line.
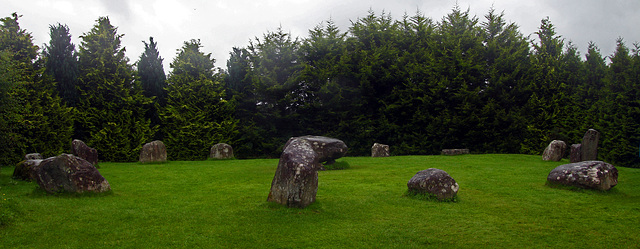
point(69, 173)
point(295, 183)
point(434, 182)
point(590, 145)
point(221, 151)
point(555, 151)
point(79, 148)
point(576, 153)
point(153, 152)
point(586, 174)
point(380, 150)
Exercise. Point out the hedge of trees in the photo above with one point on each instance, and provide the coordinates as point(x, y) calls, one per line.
point(416, 84)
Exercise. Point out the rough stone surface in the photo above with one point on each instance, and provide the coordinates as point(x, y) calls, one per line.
point(79, 148)
point(153, 152)
point(576, 153)
point(69, 173)
point(295, 183)
point(589, 148)
point(555, 151)
point(436, 182)
point(454, 152)
point(380, 150)
point(25, 169)
point(33, 156)
point(587, 174)
point(221, 151)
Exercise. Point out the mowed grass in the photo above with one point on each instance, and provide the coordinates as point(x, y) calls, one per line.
point(503, 202)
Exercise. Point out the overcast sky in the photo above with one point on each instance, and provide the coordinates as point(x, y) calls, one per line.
point(224, 24)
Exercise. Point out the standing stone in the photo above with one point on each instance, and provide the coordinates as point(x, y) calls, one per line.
point(153, 152)
point(434, 182)
point(379, 150)
point(221, 151)
point(25, 170)
point(554, 151)
point(33, 156)
point(79, 148)
point(69, 173)
point(295, 183)
point(576, 153)
point(589, 148)
point(587, 174)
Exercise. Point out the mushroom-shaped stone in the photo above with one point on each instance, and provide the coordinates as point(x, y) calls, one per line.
point(221, 151)
point(69, 173)
point(434, 182)
point(554, 151)
point(153, 152)
point(79, 148)
point(379, 150)
point(585, 174)
point(295, 182)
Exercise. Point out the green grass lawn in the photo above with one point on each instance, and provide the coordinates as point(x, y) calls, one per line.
point(503, 202)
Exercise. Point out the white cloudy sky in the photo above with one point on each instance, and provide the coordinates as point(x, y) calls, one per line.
point(223, 24)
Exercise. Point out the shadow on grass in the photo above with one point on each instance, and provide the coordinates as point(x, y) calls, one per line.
point(428, 197)
point(612, 191)
point(38, 192)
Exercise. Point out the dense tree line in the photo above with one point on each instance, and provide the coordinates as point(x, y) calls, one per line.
point(416, 84)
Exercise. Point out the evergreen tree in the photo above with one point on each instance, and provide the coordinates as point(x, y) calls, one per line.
point(153, 80)
point(35, 119)
point(61, 62)
point(197, 114)
point(111, 113)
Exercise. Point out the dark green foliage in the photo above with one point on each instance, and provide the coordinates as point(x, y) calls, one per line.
point(61, 62)
point(111, 111)
point(153, 80)
point(197, 114)
point(34, 119)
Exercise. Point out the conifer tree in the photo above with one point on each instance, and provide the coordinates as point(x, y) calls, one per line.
point(111, 113)
point(197, 114)
point(61, 62)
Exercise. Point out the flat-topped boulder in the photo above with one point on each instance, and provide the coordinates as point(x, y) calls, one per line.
point(221, 151)
point(586, 174)
point(434, 182)
point(79, 148)
point(555, 151)
point(153, 152)
point(295, 183)
point(69, 173)
point(454, 152)
point(380, 150)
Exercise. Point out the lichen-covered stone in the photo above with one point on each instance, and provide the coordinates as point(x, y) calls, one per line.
point(295, 183)
point(69, 173)
point(587, 174)
point(33, 156)
point(153, 152)
point(221, 151)
point(589, 150)
point(555, 151)
point(435, 182)
point(80, 149)
point(25, 170)
point(380, 150)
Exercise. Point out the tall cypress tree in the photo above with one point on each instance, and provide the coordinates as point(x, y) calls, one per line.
point(111, 108)
point(153, 80)
point(197, 114)
point(61, 62)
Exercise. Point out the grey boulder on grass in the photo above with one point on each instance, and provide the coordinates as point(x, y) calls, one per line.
point(434, 182)
point(69, 173)
point(587, 174)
